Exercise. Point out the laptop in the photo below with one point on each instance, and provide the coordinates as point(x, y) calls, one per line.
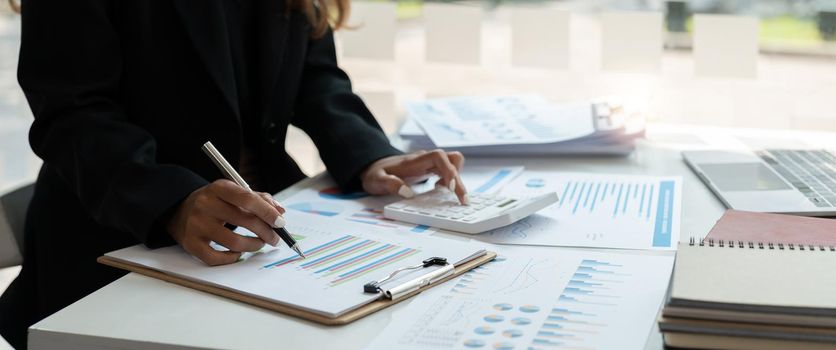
point(801, 182)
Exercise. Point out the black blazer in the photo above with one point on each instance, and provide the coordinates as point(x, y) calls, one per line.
point(125, 92)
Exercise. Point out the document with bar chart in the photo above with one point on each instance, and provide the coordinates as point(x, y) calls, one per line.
point(597, 210)
point(543, 300)
point(340, 260)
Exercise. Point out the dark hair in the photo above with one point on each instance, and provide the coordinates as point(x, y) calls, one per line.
point(322, 14)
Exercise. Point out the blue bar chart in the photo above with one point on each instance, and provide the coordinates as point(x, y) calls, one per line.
point(345, 258)
point(597, 210)
point(591, 306)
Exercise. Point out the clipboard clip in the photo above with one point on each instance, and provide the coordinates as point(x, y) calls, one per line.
point(396, 292)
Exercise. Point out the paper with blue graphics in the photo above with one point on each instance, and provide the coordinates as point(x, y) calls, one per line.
point(501, 120)
point(597, 210)
point(538, 299)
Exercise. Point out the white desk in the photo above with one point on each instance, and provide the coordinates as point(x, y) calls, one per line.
point(137, 312)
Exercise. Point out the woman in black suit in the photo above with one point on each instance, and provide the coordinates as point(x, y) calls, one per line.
point(125, 92)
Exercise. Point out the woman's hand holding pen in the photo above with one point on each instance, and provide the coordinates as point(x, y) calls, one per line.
point(201, 217)
point(390, 175)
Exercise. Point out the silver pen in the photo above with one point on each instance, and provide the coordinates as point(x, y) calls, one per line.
point(230, 173)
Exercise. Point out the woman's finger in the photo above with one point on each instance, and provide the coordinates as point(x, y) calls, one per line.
point(457, 158)
point(231, 214)
point(272, 201)
point(382, 183)
point(233, 241)
point(248, 201)
point(201, 250)
point(449, 173)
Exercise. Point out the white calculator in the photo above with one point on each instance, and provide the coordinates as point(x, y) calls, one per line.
point(440, 208)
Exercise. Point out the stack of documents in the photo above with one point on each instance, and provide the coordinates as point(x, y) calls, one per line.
point(522, 125)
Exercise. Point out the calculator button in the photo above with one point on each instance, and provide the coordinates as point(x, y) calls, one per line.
point(456, 217)
point(468, 219)
point(469, 211)
point(409, 209)
point(441, 215)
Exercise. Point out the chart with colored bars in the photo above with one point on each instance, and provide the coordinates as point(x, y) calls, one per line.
point(345, 258)
point(599, 305)
point(598, 210)
point(603, 301)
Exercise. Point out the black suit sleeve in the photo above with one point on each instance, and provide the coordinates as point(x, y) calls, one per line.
point(70, 67)
point(343, 129)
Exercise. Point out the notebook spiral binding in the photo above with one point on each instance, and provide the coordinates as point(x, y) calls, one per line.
point(759, 245)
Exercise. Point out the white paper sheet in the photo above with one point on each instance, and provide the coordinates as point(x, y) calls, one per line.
point(341, 259)
point(725, 46)
point(631, 41)
point(568, 299)
point(501, 120)
point(324, 201)
point(371, 32)
point(597, 210)
point(453, 33)
point(540, 37)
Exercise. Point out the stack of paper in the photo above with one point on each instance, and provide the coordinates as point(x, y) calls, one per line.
point(522, 125)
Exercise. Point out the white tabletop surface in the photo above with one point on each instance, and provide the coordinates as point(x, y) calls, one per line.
point(138, 312)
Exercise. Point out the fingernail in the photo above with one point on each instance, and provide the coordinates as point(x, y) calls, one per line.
point(276, 203)
point(279, 223)
point(275, 239)
point(406, 192)
point(453, 185)
point(466, 200)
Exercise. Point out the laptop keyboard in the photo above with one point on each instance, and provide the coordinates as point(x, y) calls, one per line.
point(811, 172)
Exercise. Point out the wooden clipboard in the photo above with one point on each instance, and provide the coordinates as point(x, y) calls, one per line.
point(345, 318)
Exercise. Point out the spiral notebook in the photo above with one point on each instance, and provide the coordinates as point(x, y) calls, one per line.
point(760, 280)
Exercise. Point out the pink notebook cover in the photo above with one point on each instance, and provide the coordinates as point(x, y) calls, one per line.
point(736, 225)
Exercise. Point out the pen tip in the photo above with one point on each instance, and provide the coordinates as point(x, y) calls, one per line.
point(299, 251)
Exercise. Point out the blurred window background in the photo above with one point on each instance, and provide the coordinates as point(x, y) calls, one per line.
point(793, 83)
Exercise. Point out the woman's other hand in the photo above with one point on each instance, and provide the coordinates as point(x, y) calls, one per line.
point(390, 175)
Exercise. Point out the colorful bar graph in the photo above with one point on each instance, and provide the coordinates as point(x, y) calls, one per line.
point(344, 264)
point(346, 258)
point(374, 265)
point(338, 254)
point(312, 252)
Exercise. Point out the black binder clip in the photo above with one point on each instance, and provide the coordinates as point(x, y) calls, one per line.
point(374, 286)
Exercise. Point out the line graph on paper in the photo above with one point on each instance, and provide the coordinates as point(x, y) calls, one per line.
point(528, 277)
